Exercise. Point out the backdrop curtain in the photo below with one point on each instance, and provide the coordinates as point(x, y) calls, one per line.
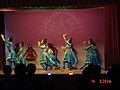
point(2, 46)
point(112, 26)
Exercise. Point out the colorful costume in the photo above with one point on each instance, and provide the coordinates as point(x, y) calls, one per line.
point(52, 59)
point(30, 55)
point(70, 59)
point(20, 57)
point(43, 56)
point(11, 58)
point(92, 56)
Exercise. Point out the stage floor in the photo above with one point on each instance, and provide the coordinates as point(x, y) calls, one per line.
point(58, 71)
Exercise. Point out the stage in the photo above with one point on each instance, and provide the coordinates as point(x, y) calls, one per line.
point(58, 71)
point(52, 25)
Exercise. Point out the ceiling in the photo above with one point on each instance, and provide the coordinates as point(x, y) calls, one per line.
point(38, 4)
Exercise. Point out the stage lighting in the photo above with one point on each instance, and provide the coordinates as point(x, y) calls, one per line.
point(7, 9)
point(49, 73)
point(70, 73)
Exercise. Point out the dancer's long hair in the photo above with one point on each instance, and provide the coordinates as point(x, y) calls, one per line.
point(92, 42)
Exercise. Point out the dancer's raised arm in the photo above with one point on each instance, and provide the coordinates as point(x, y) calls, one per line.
point(3, 37)
point(64, 37)
point(38, 43)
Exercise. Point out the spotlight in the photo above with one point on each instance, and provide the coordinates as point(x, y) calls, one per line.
point(49, 73)
point(71, 73)
point(7, 9)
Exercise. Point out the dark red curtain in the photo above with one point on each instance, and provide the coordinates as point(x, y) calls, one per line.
point(2, 46)
point(112, 26)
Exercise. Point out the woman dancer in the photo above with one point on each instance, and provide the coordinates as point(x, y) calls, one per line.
point(43, 53)
point(30, 54)
point(92, 54)
point(52, 56)
point(70, 59)
point(21, 59)
point(16, 49)
point(11, 57)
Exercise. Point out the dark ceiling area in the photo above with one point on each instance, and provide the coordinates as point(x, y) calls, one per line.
point(40, 3)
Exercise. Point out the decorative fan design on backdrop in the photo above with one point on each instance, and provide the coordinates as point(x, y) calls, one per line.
point(66, 20)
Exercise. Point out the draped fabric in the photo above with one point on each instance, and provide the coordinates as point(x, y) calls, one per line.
point(112, 26)
point(2, 47)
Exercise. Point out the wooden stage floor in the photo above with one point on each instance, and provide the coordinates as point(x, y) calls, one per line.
point(58, 71)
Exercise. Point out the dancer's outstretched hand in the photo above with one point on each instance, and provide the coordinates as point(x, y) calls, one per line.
point(2, 36)
point(64, 35)
point(84, 42)
point(38, 42)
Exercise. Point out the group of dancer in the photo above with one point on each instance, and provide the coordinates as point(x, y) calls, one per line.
point(48, 53)
point(14, 56)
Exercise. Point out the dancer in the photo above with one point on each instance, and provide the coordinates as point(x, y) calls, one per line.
point(43, 53)
point(21, 59)
point(74, 63)
point(30, 54)
point(54, 49)
point(52, 56)
point(92, 54)
point(55, 52)
point(16, 49)
point(70, 59)
point(11, 57)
